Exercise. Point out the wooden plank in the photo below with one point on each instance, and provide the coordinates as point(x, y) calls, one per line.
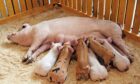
point(84, 6)
point(74, 4)
point(95, 7)
point(23, 6)
point(41, 2)
point(70, 3)
point(29, 4)
point(10, 7)
point(20, 15)
point(89, 7)
point(101, 9)
point(129, 14)
point(35, 3)
point(136, 27)
point(79, 5)
point(2, 8)
point(122, 10)
point(16, 6)
point(115, 7)
point(108, 9)
point(46, 2)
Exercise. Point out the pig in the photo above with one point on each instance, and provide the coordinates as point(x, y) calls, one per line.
point(97, 47)
point(97, 71)
point(58, 73)
point(82, 68)
point(70, 28)
point(44, 65)
point(120, 61)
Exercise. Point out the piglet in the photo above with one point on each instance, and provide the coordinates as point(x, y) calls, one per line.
point(120, 61)
point(100, 50)
point(97, 71)
point(58, 73)
point(44, 65)
point(82, 68)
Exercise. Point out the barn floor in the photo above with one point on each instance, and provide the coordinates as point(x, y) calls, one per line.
point(12, 71)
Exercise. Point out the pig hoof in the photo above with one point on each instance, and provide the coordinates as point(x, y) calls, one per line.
point(29, 60)
point(82, 74)
point(24, 59)
point(131, 58)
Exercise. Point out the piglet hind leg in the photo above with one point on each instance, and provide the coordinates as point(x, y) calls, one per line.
point(58, 73)
point(118, 41)
point(82, 68)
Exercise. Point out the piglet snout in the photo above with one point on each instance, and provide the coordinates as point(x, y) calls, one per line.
point(10, 35)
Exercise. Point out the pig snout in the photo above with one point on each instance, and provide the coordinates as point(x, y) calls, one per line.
point(10, 36)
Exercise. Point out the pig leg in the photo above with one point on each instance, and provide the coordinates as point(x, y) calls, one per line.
point(120, 43)
point(36, 43)
point(37, 52)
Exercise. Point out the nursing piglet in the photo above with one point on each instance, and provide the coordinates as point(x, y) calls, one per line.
point(44, 65)
point(58, 73)
point(120, 61)
point(97, 47)
point(82, 68)
point(97, 71)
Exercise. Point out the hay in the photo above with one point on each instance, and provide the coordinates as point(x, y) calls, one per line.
point(12, 71)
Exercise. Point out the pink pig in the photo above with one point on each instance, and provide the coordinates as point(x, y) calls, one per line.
point(40, 36)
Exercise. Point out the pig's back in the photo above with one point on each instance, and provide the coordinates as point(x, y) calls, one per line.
point(77, 25)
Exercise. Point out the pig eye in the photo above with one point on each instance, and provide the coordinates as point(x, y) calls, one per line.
point(23, 26)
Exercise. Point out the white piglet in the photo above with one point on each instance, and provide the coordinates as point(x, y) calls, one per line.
point(44, 65)
point(97, 71)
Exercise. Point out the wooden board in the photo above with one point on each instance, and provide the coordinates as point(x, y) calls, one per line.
point(10, 7)
point(136, 27)
point(2, 8)
point(79, 5)
point(108, 9)
point(84, 6)
point(16, 6)
point(35, 3)
point(89, 7)
point(74, 4)
point(129, 14)
point(46, 2)
point(41, 2)
point(101, 9)
point(95, 7)
point(29, 4)
point(115, 7)
point(23, 6)
point(122, 10)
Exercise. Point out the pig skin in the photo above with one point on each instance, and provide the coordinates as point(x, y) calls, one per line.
point(39, 36)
